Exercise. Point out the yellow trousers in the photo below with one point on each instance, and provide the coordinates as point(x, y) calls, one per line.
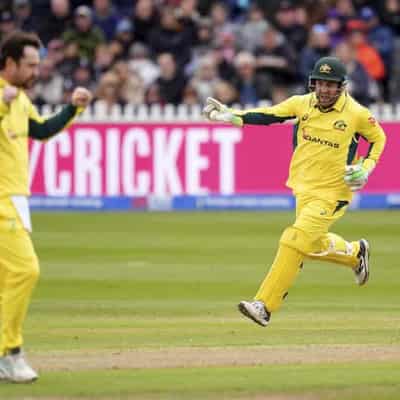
point(307, 238)
point(19, 272)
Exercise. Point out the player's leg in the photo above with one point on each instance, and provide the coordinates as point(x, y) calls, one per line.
point(293, 245)
point(20, 268)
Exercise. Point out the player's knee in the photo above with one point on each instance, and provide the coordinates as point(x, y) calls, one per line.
point(297, 239)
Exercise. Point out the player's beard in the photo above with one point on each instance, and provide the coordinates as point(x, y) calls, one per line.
point(327, 101)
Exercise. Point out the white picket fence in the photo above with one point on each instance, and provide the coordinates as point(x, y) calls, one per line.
point(184, 113)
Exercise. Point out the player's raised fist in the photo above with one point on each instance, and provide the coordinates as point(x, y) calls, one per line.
point(81, 97)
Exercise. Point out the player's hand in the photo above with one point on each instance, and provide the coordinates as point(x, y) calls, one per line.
point(356, 176)
point(9, 94)
point(81, 97)
point(214, 110)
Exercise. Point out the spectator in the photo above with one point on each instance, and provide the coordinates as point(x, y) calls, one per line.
point(140, 62)
point(190, 96)
point(123, 38)
point(224, 64)
point(49, 86)
point(145, 18)
point(336, 27)
point(84, 33)
point(359, 84)
point(153, 95)
point(108, 93)
point(220, 19)
point(205, 78)
point(251, 32)
point(172, 37)
point(23, 15)
point(366, 54)
point(106, 17)
point(251, 87)
point(132, 87)
point(55, 52)
point(276, 60)
point(287, 24)
point(391, 15)
point(381, 37)
point(57, 22)
point(318, 46)
point(103, 59)
point(83, 74)
point(226, 93)
point(7, 23)
point(171, 81)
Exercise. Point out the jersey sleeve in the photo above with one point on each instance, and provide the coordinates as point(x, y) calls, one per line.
point(370, 129)
point(280, 112)
point(43, 128)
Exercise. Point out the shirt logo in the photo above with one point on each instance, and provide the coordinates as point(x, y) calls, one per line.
point(340, 125)
point(325, 69)
point(316, 139)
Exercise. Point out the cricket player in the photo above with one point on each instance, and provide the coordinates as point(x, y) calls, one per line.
point(324, 173)
point(19, 120)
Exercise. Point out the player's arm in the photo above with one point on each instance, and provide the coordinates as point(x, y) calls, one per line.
point(43, 128)
point(356, 176)
point(216, 111)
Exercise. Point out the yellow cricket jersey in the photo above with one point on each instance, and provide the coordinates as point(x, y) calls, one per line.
point(324, 141)
point(18, 121)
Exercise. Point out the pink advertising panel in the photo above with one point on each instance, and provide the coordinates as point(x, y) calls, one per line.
point(176, 159)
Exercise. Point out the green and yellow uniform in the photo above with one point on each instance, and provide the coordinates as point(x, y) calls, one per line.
point(19, 267)
point(325, 141)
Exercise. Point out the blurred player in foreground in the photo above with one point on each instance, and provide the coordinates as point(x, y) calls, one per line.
point(19, 121)
point(323, 174)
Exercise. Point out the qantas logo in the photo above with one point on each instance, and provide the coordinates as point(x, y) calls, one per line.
point(316, 139)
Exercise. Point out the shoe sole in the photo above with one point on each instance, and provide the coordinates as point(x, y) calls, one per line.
point(242, 308)
point(366, 261)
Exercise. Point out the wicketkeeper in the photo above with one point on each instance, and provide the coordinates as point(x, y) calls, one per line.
point(324, 173)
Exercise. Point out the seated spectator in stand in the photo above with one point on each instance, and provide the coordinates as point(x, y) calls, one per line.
point(106, 17)
point(276, 61)
point(366, 54)
point(205, 78)
point(145, 19)
point(359, 84)
point(55, 24)
point(83, 74)
point(190, 96)
point(219, 14)
point(251, 87)
point(287, 24)
point(7, 23)
point(108, 93)
point(123, 38)
point(84, 33)
point(132, 87)
point(141, 63)
point(23, 15)
point(319, 45)
point(336, 27)
point(153, 95)
point(171, 37)
point(391, 15)
point(171, 80)
point(226, 93)
point(49, 86)
point(103, 61)
point(55, 52)
point(382, 39)
point(251, 31)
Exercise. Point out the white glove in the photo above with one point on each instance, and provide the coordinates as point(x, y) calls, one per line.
point(356, 176)
point(216, 111)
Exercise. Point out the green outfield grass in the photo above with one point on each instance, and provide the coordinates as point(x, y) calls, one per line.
point(157, 281)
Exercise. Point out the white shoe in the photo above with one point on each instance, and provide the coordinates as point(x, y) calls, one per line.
point(256, 311)
point(362, 270)
point(14, 368)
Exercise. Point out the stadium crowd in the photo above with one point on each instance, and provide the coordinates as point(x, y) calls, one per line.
point(181, 51)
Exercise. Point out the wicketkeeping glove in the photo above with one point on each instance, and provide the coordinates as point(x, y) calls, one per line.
point(216, 111)
point(356, 176)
